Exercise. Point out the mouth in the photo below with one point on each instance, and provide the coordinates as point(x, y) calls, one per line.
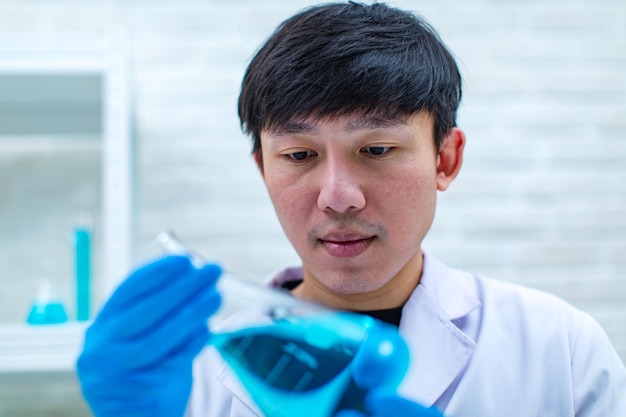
point(346, 246)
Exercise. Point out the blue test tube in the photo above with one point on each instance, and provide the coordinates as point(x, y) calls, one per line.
point(82, 251)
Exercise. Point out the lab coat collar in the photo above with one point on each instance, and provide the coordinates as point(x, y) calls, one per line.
point(453, 290)
point(440, 350)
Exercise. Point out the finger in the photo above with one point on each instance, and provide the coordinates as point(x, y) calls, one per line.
point(146, 279)
point(382, 360)
point(158, 344)
point(168, 338)
point(172, 337)
point(153, 309)
point(179, 358)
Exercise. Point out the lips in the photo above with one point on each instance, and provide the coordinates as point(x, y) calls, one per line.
point(346, 245)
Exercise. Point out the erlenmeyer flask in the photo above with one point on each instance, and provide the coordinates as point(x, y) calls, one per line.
point(293, 356)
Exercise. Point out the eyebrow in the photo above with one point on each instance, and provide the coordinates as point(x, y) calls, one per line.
point(365, 122)
point(294, 128)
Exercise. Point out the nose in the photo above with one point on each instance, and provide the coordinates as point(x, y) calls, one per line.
point(340, 188)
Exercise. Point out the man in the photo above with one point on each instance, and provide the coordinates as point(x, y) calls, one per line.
point(352, 112)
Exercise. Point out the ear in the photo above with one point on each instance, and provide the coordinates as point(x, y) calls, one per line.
point(450, 158)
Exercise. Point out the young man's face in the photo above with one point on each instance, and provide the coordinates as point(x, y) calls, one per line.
point(356, 196)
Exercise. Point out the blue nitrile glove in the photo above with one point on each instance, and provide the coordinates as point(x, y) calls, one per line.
point(383, 402)
point(379, 368)
point(138, 353)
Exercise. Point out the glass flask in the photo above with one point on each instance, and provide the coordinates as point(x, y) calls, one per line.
point(295, 357)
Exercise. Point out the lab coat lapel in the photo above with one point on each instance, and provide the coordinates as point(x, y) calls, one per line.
point(440, 351)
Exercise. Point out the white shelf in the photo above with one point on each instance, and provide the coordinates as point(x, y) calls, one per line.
point(41, 348)
point(54, 348)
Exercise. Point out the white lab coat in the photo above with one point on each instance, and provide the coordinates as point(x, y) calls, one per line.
point(479, 348)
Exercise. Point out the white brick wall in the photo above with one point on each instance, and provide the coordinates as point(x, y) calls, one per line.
point(541, 198)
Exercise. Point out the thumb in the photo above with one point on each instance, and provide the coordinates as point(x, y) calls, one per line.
point(382, 360)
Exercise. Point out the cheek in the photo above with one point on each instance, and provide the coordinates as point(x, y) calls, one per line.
point(291, 203)
point(408, 186)
point(409, 202)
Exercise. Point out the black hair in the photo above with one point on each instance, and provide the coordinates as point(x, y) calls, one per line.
point(339, 59)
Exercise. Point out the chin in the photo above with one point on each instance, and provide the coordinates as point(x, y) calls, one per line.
point(353, 285)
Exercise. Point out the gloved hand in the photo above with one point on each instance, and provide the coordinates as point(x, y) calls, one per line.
point(383, 402)
point(379, 368)
point(138, 353)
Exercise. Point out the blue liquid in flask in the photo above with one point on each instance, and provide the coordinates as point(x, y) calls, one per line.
point(298, 362)
point(296, 368)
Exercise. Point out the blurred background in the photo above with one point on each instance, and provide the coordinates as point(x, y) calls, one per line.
point(118, 120)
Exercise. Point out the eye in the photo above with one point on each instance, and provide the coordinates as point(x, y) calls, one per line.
point(376, 150)
point(300, 156)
